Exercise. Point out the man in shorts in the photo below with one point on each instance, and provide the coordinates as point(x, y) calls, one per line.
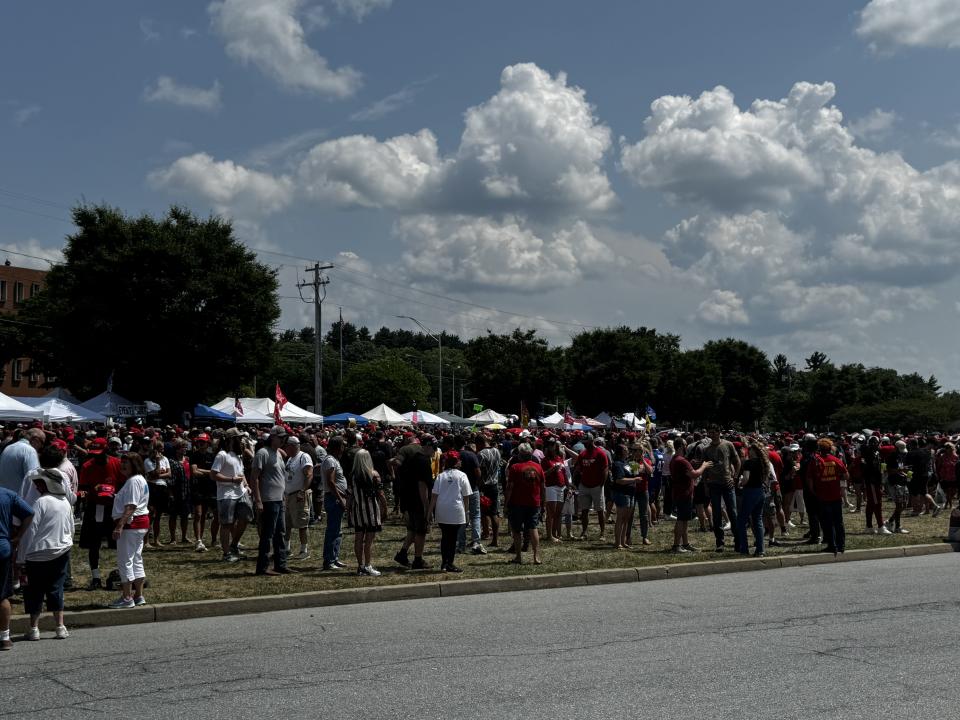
point(203, 491)
point(298, 497)
point(524, 497)
point(414, 468)
point(591, 469)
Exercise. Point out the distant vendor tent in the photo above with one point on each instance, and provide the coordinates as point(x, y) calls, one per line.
point(383, 414)
point(422, 417)
point(263, 408)
point(489, 416)
point(11, 409)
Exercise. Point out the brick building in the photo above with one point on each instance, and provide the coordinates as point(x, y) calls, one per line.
point(17, 284)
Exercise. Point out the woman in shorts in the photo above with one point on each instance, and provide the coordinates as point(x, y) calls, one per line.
point(623, 494)
point(554, 469)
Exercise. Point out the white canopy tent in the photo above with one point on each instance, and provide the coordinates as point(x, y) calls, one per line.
point(552, 421)
point(263, 407)
point(422, 417)
point(55, 410)
point(108, 403)
point(385, 415)
point(489, 416)
point(11, 409)
point(60, 393)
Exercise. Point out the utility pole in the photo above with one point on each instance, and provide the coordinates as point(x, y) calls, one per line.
point(341, 345)
point(319, 285)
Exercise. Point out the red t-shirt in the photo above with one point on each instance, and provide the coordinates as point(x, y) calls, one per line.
point(525, 480)
point(92, 473)
point(825, 473)
point(593, 466)
point(556, 478)
point(681, 478)
point(777, 463)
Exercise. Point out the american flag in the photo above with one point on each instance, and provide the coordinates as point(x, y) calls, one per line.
point(279, 400)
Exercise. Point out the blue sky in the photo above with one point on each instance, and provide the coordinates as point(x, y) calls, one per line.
point(500, 154)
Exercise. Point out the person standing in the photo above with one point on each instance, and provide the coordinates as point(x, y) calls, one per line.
point(415, 467)
point(470, 466)
point(12, 507)
point(334, 503)
point(298, 497)
point(233, 507)
point(920, 461)
point(368, 506)
point(203, 491)
point(451, 490)
point(871, 480)
point(490, 466)
point(826, 475)
point(158, 473)
point(268, 479)
point(756, 471)
point(591, 469)
point(19, 459)
point(132, 522)
point(100, 478)
point(524, 498)
point(724, 468)
point(45, 550)
point(683, 479)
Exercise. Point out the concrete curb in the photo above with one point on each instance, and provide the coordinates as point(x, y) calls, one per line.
point(453, 588)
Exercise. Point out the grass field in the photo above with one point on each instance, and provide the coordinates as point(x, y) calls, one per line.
point(177, 573)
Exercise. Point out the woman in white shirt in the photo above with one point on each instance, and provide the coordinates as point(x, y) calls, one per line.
point(45, 548)
point(132, 518)
point(158, 474)
point(450, 489)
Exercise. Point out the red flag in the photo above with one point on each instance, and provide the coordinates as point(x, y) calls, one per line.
point(279, 400)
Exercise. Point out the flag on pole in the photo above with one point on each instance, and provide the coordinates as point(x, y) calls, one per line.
point(279, 400)
point(651, 414)
point(237, 405)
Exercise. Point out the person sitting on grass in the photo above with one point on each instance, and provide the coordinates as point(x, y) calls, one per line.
point(524, 498)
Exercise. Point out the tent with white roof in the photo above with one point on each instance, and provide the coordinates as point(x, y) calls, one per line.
point(552, 421)
point(489, 416)
point(263, 407)
point(385, 415)
point(11, 409)
point(422, 417)
point(55, 410)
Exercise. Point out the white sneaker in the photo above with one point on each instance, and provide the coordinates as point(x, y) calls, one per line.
point(303, 555)
point(671, 517)
point(200, 546)
point(790, 524)
point(937, 511)
point(32, 634)
point(884, 530)
point(372, 571)
point(140, 601)
point(62, 633)
point(726, 526)
point(902, 531)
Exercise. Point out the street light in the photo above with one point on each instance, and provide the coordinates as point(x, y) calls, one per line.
point(453, 388)
point(436, 337)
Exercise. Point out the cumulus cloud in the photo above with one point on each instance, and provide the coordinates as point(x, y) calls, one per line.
point(875, 125)
point(535, 146)
point(887, 24)
point(271, 36)
point(505, 254)
point(168, 90)
point(233, 189)
point(723, 307)
point(805, 227)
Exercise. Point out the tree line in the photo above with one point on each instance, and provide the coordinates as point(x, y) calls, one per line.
point(175, 309)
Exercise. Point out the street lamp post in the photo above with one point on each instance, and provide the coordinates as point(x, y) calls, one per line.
point(453, 388)
point(439, 340)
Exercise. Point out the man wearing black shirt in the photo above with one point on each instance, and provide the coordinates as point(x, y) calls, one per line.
point(920, 460)
point(203, 490)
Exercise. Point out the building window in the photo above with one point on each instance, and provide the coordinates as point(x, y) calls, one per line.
point(18, 292)
point(32, 377)
point(3, 292)
point(17, 371)
point(34, 289)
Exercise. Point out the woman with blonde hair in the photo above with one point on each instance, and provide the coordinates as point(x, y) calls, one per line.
point(368, 506)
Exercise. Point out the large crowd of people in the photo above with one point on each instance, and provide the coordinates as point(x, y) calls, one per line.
point(117, 483)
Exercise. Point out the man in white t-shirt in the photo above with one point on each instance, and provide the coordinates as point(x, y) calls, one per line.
point(233, 510)
point(297, 495)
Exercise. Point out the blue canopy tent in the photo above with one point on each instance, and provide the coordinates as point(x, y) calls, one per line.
point(344, 418)
point(206, 412)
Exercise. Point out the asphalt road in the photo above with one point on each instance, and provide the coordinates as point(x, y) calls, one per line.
point(854, 640)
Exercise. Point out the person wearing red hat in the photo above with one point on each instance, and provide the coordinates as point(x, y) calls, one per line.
point(100, 478)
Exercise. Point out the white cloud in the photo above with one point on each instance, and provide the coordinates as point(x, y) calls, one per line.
point(535, 146)
point(282, 150)
point(875, 125)
point(508, 254)
point(168, 90)
point(270, 36)
point(723, 307)
point(391, 103)
point(30, 254)
point(234, 190)
point(24, 112)
point(948, 138)
point(148, 31)
point(360, 8)
point(887, 24)
point(188, 32)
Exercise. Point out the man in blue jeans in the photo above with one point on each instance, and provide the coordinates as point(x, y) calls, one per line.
point(721, 476)
point(334, 503)
point(268, 478)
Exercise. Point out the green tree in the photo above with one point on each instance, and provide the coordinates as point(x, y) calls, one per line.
point(505, 369)
point(387, 380)
point(745, 372)
point(174, 307)
point(816, 361)
point(690, 389)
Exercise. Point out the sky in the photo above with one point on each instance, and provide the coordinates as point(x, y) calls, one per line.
point(786, 172)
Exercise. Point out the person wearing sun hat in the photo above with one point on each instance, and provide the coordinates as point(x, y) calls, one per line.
point(45, 548)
